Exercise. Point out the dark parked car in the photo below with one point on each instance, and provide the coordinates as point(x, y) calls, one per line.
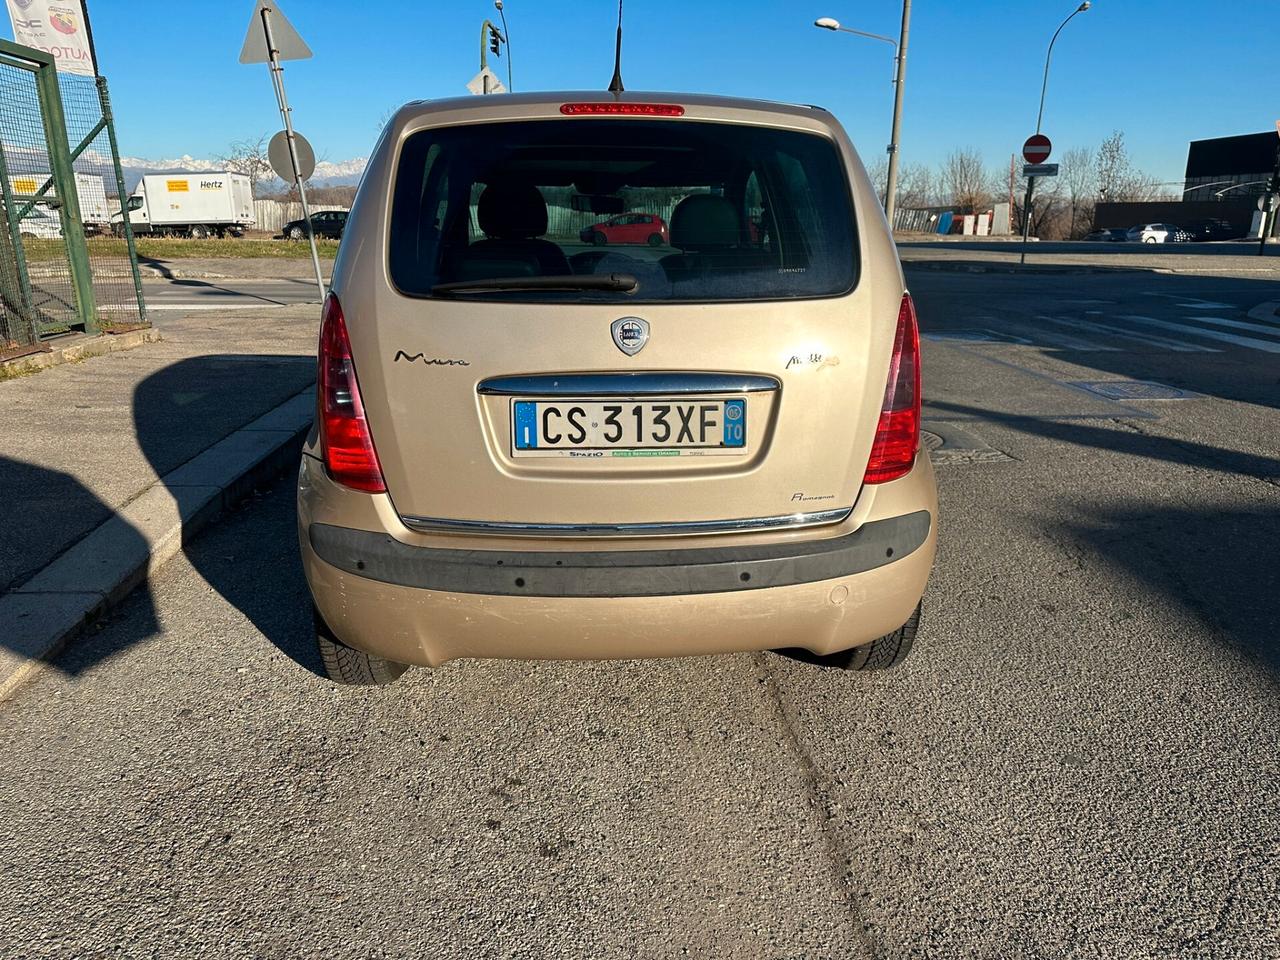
point(326, 223)
point(627, 228)
point(1110, 235)
point(1213, 229)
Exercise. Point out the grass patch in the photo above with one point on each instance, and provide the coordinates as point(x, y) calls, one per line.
point(157, 248)
point(174, 248)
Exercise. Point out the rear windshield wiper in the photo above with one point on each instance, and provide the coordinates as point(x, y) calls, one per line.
point(623, 282)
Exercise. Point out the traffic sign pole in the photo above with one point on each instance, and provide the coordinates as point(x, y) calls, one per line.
point(1035, 150)
point(1268, 209)
point(296, 50)
point(277, 77)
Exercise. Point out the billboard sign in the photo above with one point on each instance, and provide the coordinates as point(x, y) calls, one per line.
point(59, 28)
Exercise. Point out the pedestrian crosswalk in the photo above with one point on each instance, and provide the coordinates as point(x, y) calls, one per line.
point(1188, 328)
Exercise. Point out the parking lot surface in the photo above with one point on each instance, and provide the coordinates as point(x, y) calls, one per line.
point(1080, 758)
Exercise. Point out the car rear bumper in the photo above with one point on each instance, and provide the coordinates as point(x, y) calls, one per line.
point(429, 604)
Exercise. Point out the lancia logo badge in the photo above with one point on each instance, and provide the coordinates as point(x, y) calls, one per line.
point(630, 334)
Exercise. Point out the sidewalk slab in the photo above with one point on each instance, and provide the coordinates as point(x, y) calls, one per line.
point(98, 572)
point(75, 349)
point(108, 467)
point(82, 440)
point(33, 622)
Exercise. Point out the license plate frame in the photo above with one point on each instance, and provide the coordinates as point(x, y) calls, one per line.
point(716, 425)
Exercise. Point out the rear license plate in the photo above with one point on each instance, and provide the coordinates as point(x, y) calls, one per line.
point(629, 428)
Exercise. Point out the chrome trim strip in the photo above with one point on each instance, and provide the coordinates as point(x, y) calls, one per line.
point(626, 384)
point(788, 521)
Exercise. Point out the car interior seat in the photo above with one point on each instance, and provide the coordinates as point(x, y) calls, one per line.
point(514, 219)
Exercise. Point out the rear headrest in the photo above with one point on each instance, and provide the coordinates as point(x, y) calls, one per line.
point(512, 211)
point(705, 221)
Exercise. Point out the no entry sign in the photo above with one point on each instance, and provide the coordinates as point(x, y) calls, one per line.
point(1036, 149)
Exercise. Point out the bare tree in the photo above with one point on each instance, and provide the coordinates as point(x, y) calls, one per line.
point(916, 187)
point(249, 157)
point(965, 180)
point(878, 174)
point(1079, 179)
point(1048, 209)
point(1113, 168)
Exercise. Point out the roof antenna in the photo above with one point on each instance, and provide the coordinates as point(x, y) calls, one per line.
point(615, 85)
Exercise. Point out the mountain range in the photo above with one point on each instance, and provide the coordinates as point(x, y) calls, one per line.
point(328, 173)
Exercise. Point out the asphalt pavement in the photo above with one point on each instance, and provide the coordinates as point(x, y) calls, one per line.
point(194, 295)
point(1080, 759)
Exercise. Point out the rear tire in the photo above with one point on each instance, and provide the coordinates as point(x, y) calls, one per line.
point(198, 232)
point(883, 653)
point(351, 667)
point(888, 651)
point(655, 239)
point(599, 239)
point(296, 233)
point(1150, 240)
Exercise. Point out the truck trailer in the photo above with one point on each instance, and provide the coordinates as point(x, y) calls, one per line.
point(95, 212)
point(195, 205)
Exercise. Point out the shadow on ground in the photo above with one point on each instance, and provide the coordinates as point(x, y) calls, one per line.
point(280, 607)
point(1220, 564)
point(1230, 374)
point(178, 412)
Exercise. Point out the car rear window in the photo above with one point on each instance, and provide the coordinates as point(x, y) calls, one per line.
point(695, 211)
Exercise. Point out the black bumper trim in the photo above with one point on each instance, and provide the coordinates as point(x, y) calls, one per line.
point(618, 573)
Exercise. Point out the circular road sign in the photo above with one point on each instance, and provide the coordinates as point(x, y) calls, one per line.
point(1036, 149)
point(278, 155)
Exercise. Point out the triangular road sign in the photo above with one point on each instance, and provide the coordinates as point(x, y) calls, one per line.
point(289, 45)
point(476, 85)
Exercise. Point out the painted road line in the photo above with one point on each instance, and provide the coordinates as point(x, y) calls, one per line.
point(1150, 339)
point(1267, 346)
point(1239, 325)
point(260, 305)
point(1070, 343)
point(1194, 302)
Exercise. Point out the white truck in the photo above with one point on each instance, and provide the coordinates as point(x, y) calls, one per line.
point(195, 205)
point(90, 188)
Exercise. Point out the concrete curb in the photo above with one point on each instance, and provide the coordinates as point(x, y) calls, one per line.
point(1080, 269)
point(1014, 268)
point(77, 350)
point(153, 272)
point(97, 573)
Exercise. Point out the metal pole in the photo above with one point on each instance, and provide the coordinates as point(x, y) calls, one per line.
point(277, 81)
point(1026, 219)
point(484, 55)
point(26, 302)
point(891, 188)
point(506, 32)
point(1268, 211)
point(1044, 86)
point(105, 100)
point(64, 177)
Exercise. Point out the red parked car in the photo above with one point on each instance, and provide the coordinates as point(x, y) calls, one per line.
point(627, 228)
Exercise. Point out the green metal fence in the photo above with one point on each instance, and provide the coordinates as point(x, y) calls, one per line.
point(62, 268)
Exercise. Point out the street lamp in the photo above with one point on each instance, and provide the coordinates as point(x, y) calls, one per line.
point(900, 61)
point(1044, 86)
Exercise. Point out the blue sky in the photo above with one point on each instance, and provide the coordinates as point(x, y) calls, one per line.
point(1163, 71)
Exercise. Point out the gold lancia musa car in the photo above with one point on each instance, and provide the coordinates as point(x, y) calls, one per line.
point(694, 438)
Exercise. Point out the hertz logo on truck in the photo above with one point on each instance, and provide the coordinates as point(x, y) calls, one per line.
point(210, 184)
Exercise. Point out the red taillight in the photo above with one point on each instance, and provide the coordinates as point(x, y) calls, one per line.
point(893, 453)
point(345, 441)
point(623, 109)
